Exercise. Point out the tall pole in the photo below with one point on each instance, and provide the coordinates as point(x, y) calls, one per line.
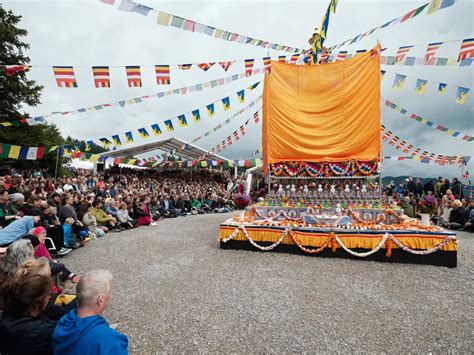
point(57, 163)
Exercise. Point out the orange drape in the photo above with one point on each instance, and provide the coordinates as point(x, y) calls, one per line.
point(325, 112)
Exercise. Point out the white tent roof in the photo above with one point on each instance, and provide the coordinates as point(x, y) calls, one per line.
point(192, 152)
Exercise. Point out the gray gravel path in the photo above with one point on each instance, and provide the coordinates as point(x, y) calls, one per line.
point(175, 290)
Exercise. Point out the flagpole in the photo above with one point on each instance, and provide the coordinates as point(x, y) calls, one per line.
point(57, 162)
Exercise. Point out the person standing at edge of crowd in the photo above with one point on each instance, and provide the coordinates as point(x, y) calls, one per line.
point(85, 331)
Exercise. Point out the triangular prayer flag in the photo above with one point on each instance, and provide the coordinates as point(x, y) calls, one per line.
point(241, 96)
point(205, 66)
point(226, 65)
point(461, 95)
point(442, 88)
point(169, 125)
point(182, 121)
point(129, 137)
point(104, 141)
point(399, 81)
point(143, 132)
point(196, 115)
point(421, 86)
point(226, 103)
point(117, 140)
point(210, 110)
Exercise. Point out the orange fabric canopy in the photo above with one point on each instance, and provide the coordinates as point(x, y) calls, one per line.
point(325, 112)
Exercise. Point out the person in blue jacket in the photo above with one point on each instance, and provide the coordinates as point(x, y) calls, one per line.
point(17, 229)
point(84, 331)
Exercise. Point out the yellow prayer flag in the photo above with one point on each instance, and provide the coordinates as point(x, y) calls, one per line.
point(163, 18)
point(94, 158)
point(218, 33)
point(14, 152)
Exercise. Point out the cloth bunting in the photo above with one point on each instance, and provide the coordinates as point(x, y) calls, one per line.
point(196, 115)
point(163, 74)
point(129, 137)
point(399, 81)
point(133, 76)
point(143, 132)
point(248, 67)
point(267, 62)
point(236, 136)
point(282, 58)
point(169, 125)
point(401, 53)
point(431, 52)
point(426, 122)
point(65, 77)
point(442, 88)
point(226, 103)
point(226, 65)
point(184, 66)
point(421, 86)
point(461, 95)
point(467, 49)
point(256, 117)
point(210, 110)
point(294, 58)
point(105, 142)
point(409, 15)
point(436, 5)
point(12, 69)
point(101, 77)
point(182, 121)
point(155, 128)
point(241, 96)
point(341, 56)
point(205, 66)
point(116, 140)
point(167, 19)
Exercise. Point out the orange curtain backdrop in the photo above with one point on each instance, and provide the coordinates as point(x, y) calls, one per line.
point(325, 112)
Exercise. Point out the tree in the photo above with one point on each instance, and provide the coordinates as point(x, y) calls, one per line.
point(17, 91)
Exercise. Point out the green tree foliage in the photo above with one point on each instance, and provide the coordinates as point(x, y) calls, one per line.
point(18, 91)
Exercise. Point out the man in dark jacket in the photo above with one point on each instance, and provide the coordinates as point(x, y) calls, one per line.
point(85, 331)
point(456, 188)
point(429, 186)
point(457, 218)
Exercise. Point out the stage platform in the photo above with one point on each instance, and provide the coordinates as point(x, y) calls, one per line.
point(408, 243)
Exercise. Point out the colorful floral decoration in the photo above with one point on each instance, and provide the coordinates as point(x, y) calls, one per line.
point(325, 169)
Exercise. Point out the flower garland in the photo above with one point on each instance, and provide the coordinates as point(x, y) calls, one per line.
point(324, 169)
point(363, 255)
point(267, 248)
point(338, 169)
point(333, 240)
point(422, 252)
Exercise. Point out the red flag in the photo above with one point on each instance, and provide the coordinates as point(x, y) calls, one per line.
point(12, 69)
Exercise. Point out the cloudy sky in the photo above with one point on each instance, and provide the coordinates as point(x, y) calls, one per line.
point(88, 33)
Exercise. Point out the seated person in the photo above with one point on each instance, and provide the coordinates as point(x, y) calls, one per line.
point(103, 219)
point(17, 229)
point(91, 223)
point(54, 230)
point(144, 216)
point(6, 216)
point(457, 218)
point(57, 268)
point(24, 328)
point(110, 208)
point(167, 207)
point(16, 200)
point(32, 207)
point(124, 218)
point(85, 331)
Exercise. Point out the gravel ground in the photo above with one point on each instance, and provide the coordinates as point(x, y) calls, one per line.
point(175, 290)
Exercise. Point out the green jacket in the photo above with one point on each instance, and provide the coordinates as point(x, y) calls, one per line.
point(99, 215)
point(196, 204)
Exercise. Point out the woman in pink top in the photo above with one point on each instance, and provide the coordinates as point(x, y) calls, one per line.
point(56, 268)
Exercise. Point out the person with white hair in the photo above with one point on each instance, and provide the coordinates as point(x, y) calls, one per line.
point(85, 331)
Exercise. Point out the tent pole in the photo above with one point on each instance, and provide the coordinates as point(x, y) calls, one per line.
point(57, 162)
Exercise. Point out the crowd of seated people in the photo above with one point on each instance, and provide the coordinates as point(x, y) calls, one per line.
point(443, 201)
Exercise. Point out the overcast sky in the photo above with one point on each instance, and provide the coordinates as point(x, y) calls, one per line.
point(87, 33)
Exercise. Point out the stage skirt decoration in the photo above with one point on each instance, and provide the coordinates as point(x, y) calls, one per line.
point(416, 243)
point(325, 169)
